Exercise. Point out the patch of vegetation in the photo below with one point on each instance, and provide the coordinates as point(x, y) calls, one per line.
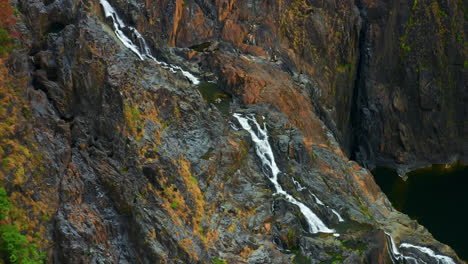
point(232, 169)
point(166, 124)
point(5, 205)
point(365, 211)
point(134, 121)
point(359, 247)
point(194, 180)
point(209, 154)
point(201, 47)
point(175, 205)
point(21, 216)
point(218, 261)
point(301, 259)
point(244, 149)
point(335, 258)
point(363, 208)
point(14, 246)
point(7, 21)
point(291, 240)
point(5, 42)
point(405, 47)
point(132, 116)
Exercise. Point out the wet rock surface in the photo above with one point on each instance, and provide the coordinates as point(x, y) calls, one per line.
point(139, 168)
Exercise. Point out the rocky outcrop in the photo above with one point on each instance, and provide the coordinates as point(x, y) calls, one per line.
point(136, 167)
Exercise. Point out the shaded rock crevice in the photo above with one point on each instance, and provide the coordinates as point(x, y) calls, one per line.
point(359, 148)
point(149, 172)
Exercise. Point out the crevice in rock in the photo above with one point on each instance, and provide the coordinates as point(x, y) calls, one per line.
point(358, 145)
point(38, 86)
point(55, 27)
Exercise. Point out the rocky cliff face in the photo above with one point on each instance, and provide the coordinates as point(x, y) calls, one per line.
point(411, 95)
point(125, 160)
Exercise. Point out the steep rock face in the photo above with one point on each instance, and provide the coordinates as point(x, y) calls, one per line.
point(411, 103)
point(136, 167)
point(312, 38)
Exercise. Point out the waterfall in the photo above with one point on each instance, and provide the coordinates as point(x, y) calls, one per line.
point(440, 258)
point(142, 50)
point(340, 219)
point(265, 153)
point(396, 255)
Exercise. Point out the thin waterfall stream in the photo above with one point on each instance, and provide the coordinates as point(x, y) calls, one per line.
point(265, 153)
point(262, 146)
point(398, 257)
point(141, 49)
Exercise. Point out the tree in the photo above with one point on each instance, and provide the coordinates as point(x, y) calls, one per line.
point(7, 21)
point(5, 205)
point(14, 246)
point(6, 15)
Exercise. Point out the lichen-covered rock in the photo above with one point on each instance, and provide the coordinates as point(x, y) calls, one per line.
point(137, 167)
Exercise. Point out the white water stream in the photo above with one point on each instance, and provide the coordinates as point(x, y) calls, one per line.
point(262, 146)
point(265, 153)
point(396, 255)
point(141, 49)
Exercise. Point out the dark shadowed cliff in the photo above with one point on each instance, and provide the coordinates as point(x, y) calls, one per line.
point(114, 155)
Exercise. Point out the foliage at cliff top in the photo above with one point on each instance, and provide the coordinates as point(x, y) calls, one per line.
point(7, 21)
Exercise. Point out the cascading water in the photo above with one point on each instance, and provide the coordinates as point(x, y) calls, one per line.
point(265, 153)
point(396, 256)
point(340, 219)
point(440, 258)
point(142, 50)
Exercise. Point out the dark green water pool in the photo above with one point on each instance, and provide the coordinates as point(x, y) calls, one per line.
point(214, 95)
point(436, 196)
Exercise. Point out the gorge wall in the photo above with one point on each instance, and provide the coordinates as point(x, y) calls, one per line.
point(412, 101)
point(108, 158)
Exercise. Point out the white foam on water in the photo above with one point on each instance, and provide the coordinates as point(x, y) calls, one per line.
point(142, 51)
point(109, 11)
point(430, 252)
point(299, 187)
point(187, 74)
point(317, 200)
point(340, 219)
point(265, 153)
point(397, 255)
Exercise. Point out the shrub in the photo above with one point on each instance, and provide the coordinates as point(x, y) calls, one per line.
point(175, 205)
point(6, 14)
point(14, 246)
point(5, 41)
point(6, 26)
point(5, 205)
point(218, 261)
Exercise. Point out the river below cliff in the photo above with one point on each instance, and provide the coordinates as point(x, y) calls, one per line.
point(436, 197)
